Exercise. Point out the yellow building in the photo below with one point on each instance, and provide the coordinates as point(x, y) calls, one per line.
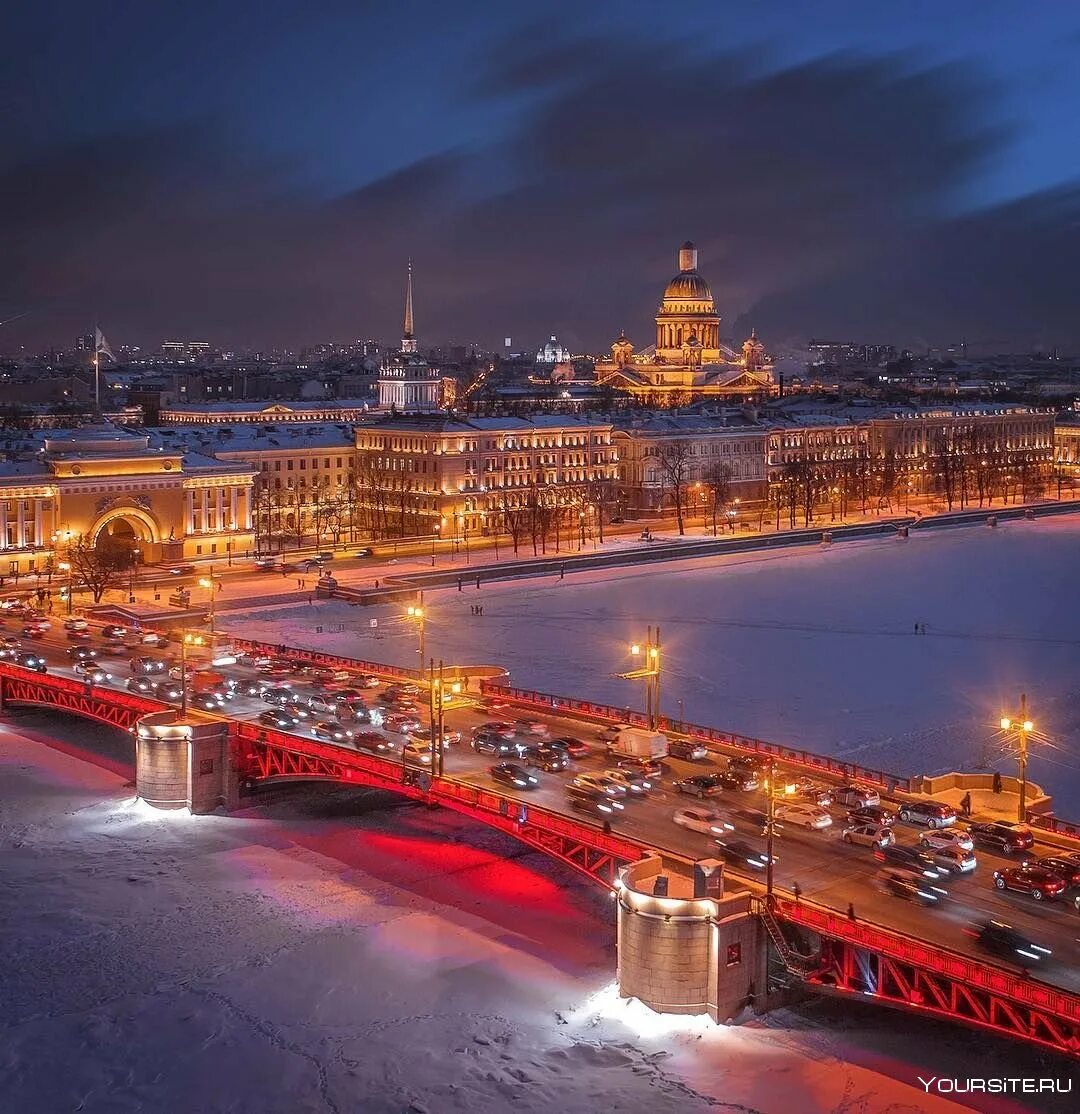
point(687, 362)
point(113, 488)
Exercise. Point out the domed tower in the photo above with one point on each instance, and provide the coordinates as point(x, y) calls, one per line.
point(687, 310)
point(622, 350)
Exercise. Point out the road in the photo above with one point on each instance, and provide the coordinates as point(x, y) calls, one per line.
point(827, 870)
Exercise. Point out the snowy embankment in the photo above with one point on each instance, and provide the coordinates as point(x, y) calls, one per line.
point(810, 648)
point(333, 954)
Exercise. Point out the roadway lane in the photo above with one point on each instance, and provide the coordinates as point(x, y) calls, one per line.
point(827, 870)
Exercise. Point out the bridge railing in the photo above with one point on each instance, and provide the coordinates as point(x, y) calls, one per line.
point(317, 657)
point(930, 957)
point(710, 736)
point(1055, 824)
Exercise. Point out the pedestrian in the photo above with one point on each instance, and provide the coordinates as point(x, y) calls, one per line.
point(965, 804)
point(916, 628)
point(796, 889)
point(851, 910)
point(481, 609)
point(997, 782)
point(311, 600)
point(376, 584)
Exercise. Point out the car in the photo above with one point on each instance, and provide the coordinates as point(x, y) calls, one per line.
point(910, 885)
point(652, 768)
point(405, 688)
point(350, 697)
point(327, 678)
point(868, 835)
point(324, 704)
point(402, 705)
point(372, 741)
point(510, 773)
point(76, 624)
point(702, 820)
point(600, 783)
point(148, 667)
point(142, 685)
point(811, 792)
point(253, 686)
point(634, 781)
point(534, 727)
point(1006, 942)
point(298, 709)
point(287, 566)
point(367, 681)
point(167, 689)
point(221, 691)
point(331, 731)
point(856, 796)
point(910, 858)
point(78, 636)
point(154, 638)
point(947, 837)
point(687, 749)
point(749, 764)
point(401, 723)
point(1002, 835)
point(265, 564)
point(205, 701)
point(279, 695)
point(576, 748)
point(92, 672)
point(487, 743)
point(803, 815)
point(597, 804)
point(878, 815)
point(544, 757)
point(31, 661)
point(698, 785)
point(81, 653)
point(1064, 865)
point(279, 718)
point(113, 632)
point(740, 853)
point(417, 752)
point(495, 727)
point(953, 859)
point(10, 651)
point(35, 630)
point(181, 570)
point(1037, 882)
point(325, 555)
point(928, 814)
point(367, 551)
point(738, 780)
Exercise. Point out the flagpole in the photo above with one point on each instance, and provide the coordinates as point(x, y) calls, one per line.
point(97, 378)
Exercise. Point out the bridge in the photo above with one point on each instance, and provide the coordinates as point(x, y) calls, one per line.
point(891, 955)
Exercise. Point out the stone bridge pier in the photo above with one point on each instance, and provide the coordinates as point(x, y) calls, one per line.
point(684, 945)
point(186, 762)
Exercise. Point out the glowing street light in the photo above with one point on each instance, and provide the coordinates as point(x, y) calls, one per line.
point(1022, 725)
point(650, 672)
point(189, 639)
point(209, 584)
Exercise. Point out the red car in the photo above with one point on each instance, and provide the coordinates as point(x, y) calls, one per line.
point(1065, 866)
point(1035, 881)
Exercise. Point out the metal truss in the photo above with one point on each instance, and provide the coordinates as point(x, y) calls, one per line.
point(115, 707)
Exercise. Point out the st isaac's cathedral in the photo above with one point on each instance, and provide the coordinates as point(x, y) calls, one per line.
point(688, 363)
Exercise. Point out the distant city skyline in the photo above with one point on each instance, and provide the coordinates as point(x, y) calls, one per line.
point(256, 176)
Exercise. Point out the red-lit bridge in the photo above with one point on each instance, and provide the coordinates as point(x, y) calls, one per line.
point(904, 960)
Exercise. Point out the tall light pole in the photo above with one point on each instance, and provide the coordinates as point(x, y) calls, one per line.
point(650, 672)
point(434, 538)
point(1023, 727)
point(416, 611)
point(207, 582)
point(65, 566)
point(131, 580)
point(188, 640)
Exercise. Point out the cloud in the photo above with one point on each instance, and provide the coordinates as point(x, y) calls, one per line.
point(827, 198)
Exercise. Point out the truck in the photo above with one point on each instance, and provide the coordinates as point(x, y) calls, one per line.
point(626, 741)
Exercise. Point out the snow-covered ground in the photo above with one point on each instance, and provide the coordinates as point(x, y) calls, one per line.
point(333, 954)
point(812, 648)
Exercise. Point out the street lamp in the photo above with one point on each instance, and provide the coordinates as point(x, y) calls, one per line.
point(771, 826)
point(188, 640)
point(416, 611)
point(65, 566)
point(1023, 728)
point(650, 673)
point(581, 529)
point(207, 582)
point(131, 578)
point(434, 538)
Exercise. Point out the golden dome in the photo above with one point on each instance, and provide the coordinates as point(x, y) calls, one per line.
point(688, 286)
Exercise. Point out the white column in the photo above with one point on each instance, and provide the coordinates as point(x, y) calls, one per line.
point(205, 504)
point(20, 529)
point(38, 534)
point(3, 523)
point(234, 501)
point(189, 511)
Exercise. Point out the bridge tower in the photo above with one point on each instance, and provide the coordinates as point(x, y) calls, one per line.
point(186, 762)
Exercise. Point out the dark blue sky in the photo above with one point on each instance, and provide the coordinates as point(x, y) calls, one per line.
point(259, 172)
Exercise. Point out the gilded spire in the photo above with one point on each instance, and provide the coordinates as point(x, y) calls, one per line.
point(408, 340)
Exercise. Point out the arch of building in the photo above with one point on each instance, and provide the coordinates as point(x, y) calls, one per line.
point(133, 522)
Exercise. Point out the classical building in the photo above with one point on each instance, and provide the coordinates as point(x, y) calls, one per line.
point(1067, 447)
point(656, 449)
point(408, 382)
point(117, 489)
point(687, 362)
point(554, 352)
point(262, 413)
point(430, 475)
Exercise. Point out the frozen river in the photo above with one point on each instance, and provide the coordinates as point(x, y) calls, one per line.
point(809, 648)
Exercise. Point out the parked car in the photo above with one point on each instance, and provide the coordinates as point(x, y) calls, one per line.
point(1064, 865)
point(869, 835)
point(687, 749)
point(513, 775)
point(1005, 837)
point(702, 820)
point(804, 815)
point(544, 757)
point(947, 837)
point(928, 814)
point(1035, 881)
point(1006, 942)
point(698, 785)
point(856, 796)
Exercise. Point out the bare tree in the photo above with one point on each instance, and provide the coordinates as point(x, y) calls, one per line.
point(718, 476)
point(97, 569)
point(674, 459)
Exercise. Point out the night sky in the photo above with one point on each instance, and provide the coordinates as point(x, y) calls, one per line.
point(258, 173)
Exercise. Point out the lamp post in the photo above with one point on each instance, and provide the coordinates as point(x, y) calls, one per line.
point(771, 825)
point(434, 539)
point(207, 582)
point(189, 639)
point(416, 611)
point(650, 672)
point(135, 553)
point(581, 530)
point(1023, 727)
